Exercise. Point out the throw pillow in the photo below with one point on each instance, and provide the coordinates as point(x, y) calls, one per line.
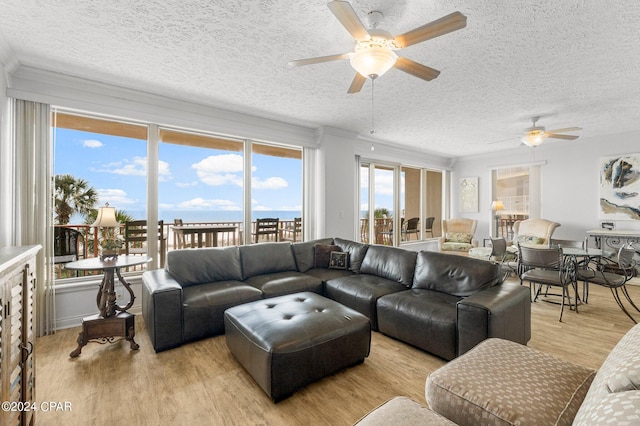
point(339, 260)
point(458, 237)
point(528, 239)
point(322, 255)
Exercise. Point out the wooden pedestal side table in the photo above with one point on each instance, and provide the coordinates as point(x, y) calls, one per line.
point(112, 320)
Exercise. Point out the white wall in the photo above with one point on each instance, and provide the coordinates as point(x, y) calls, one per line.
point(569, 187)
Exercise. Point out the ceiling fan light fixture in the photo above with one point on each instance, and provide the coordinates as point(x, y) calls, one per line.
point(534, 138)
point(373, 58)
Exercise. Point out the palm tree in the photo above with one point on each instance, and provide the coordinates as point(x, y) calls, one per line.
point(73, 195)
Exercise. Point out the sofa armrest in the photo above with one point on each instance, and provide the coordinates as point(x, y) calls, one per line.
point(162, 309)
point(500, 311)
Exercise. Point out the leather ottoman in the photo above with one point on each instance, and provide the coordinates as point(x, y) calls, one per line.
point(290, 341)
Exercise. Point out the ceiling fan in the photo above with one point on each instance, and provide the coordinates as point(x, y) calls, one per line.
point(374, 54)
point(535, 135)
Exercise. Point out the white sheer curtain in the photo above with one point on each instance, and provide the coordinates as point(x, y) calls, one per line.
point(32, 204)
point(313, 220)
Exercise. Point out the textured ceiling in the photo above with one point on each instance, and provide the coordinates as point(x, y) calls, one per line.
point(573, 62)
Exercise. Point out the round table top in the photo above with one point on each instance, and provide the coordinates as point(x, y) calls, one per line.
point(94, 263)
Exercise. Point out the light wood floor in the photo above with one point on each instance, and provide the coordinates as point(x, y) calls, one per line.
point(201, 383)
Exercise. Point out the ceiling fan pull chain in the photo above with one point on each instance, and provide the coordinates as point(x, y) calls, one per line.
point(373, 112)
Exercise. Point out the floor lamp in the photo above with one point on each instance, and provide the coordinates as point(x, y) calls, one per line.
point(495, 207)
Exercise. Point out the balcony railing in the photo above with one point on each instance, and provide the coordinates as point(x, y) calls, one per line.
point(88, 245)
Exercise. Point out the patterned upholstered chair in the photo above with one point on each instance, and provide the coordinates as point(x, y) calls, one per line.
point(534, 232)
point(457, 234)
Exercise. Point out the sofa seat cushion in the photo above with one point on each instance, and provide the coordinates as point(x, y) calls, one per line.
point(403, 411)
point(280, 283)
point(328, 274)
point(620, 372)
point(203, 306)
point(423, 318)
point(500, 382)
point(361, 292)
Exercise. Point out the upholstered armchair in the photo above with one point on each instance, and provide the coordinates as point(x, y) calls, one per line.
point(534, 232)
point(457, 234)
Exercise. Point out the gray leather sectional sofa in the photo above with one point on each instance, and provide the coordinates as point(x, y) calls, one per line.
point(442, 303)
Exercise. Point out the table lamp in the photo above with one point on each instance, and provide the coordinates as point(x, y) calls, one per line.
point(110, 243)
point(495, 206)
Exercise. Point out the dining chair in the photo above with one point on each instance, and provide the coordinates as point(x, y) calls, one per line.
point(505, 259)
point(612, 274)
point(547, 268)
point(428, 225)
point(266, 227)
point(293, 231)
point(178, 237)
point(411, 227)
point(66, 246)
point(135, 238)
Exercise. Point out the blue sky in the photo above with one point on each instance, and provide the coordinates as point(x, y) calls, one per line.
point(190, 178)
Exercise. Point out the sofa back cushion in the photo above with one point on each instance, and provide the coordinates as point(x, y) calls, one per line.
point(620, 372)
point(356, 252)
point(204, 265)
point(304, 253)
point(390, 262)
point(266, 258)
point(456, 275)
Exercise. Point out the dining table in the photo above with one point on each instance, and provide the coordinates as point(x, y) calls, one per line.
point(200, 235)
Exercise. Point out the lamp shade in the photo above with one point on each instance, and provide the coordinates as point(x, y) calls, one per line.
point(534, 138)
point(372, 61)
point(497, 205)
point(106, 217)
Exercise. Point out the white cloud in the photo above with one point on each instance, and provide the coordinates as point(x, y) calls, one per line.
point(269, 183)
point(135, 167)
point(115, 197)
point(216, 170)
point(186, 184)
point(216, 204)
point(92, 143)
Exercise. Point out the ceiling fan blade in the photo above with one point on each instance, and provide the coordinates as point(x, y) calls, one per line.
point(418, 70)
point(348, 18)
point(356, 84)
point(319, 59)
point(444, 25)
point(565, 130)
point(567, 137)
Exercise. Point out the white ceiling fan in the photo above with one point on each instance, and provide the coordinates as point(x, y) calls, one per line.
point(535, 135)
point(374, 54)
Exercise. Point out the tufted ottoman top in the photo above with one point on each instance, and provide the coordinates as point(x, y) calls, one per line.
point(294, 322)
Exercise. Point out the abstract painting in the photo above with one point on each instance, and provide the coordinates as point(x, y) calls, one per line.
point(469, 195)
point(620, 187)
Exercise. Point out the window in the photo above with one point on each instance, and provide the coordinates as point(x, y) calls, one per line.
point(204, 184)
point(276, 189)
point(512, 188)
point(418, 201)
point(96, 161)
point(199, 179)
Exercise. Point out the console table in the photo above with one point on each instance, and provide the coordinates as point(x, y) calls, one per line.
point(112, 320)
point(613, 238)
